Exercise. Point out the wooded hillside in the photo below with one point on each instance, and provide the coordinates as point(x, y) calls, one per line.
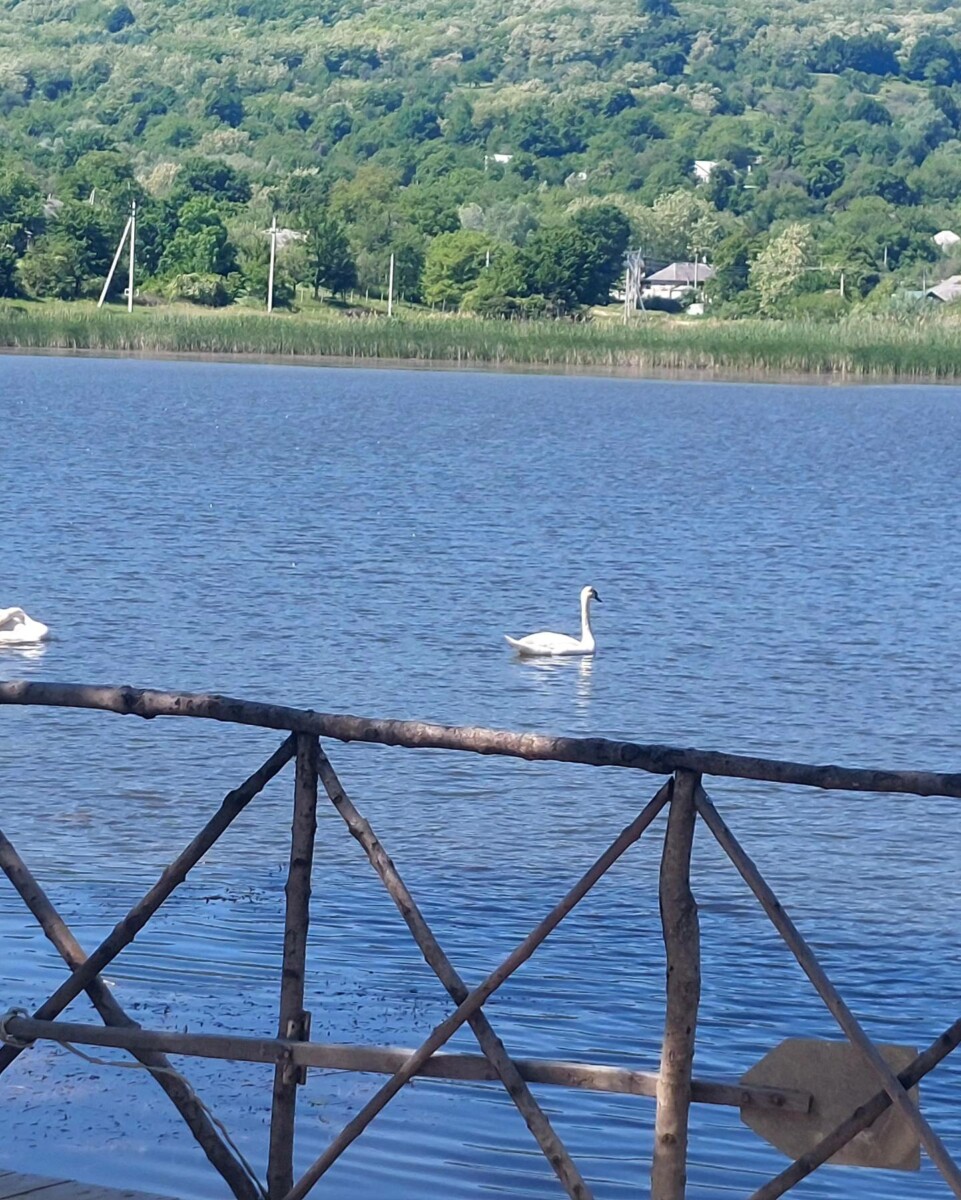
point(469, 138)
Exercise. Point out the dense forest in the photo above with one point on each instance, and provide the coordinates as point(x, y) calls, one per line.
point(507, 155)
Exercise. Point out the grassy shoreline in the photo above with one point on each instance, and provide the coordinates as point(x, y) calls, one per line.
point(864, 349)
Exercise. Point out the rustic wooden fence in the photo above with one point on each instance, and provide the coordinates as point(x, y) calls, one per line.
point(292, 1053)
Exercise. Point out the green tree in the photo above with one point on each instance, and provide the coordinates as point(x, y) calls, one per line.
point(254, 264)
point(732, 266)
point(9, 280)
point(54, 266)
point(330, 263)
point(935, 59)
point(452, 265)
point(105, 175)
point(778, 271)
point(210, 177)
point(607, 231)
point(201, 244)
point(120, 18)
point(71, 259)
point(557, 260)
point(680, 223)
point(21, 210)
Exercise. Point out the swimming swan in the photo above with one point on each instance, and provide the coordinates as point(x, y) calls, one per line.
point(561, 643)
point(17, 629)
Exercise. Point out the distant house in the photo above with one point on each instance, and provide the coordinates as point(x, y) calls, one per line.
point(947, 291)
point(703, 168)
point(676, 280)
point(946, 240)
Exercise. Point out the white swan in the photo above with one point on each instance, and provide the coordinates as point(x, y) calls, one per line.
point(561, 643)
point(17, 629)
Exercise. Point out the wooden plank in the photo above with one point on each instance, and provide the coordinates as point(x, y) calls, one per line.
point(23, 1185)
point(14, 1186)
point(86, 1191)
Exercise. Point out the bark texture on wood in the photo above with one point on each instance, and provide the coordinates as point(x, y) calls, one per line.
point(447, 1028)
point(597, 752)
point(827, 991)
point(180, 1092)
point(861, 1118)
point(126, 930)
point(494, 1049)
point(385, 1060)
point(682, 950)
point(280, 1166)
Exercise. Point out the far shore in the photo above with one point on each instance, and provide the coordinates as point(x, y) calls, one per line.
point(452, 366)
point(856, 350)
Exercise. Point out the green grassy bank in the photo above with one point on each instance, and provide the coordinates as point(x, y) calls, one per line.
point(855, 348)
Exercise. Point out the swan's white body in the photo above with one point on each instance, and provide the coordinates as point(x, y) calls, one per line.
point(17, 629)
point(546, 644)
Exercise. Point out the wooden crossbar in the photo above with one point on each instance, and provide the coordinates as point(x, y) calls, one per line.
point(601, 1078)
point(594, 752)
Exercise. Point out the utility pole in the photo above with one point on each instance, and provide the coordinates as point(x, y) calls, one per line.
point(116, 259)
point(133, 243)
point(273, 261)
point(633, 275)
point(390, 288)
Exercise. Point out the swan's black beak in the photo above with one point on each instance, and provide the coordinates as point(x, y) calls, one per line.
point(597, 598)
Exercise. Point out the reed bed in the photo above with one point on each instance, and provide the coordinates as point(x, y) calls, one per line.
point(926, 349)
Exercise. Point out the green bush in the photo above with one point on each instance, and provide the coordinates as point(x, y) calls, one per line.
point(208, 290)
point(818, 306)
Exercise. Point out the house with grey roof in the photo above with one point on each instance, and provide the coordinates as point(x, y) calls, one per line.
point(676, 280)
point(947, 291)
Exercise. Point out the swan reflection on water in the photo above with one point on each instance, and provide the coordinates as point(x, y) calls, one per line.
point(16, 658)
point(582, 670)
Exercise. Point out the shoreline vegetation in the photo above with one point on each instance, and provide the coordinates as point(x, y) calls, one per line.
point(924, 350)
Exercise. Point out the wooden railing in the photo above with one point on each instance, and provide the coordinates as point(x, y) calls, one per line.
point(292, 1052)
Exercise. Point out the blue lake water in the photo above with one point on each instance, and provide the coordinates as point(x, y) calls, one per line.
point(779, 568)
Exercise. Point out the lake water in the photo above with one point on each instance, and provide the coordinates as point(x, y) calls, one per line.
point(779, 569)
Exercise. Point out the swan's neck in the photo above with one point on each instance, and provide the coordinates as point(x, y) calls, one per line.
point(587, 637)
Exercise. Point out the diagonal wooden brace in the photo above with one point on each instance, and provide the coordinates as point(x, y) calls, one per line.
point(126, 930)
point(480, 995)
point(180, 1092)
point(537, 1121)
point(827, 991)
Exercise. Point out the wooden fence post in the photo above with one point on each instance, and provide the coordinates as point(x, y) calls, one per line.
point(293, 1019)
point(682, 949)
